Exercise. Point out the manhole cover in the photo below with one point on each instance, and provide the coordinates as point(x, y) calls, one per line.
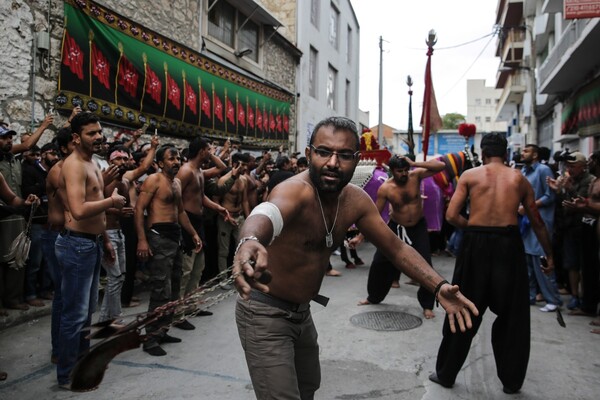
point(386, 320)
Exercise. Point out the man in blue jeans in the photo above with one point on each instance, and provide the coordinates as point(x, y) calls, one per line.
point(78, 246)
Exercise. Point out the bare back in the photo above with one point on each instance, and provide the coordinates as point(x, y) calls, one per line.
point(495, 192)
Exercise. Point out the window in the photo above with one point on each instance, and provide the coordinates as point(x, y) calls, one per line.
point(488, 101)
point(347, 97)
point(248, 37)
point(221, 22)
point(477, 102)
point(331, 88)
point(314, 12)
point(488, 119)
point(232, 28)
point(334, 19)
point(312, 72)
point(349, 46)
point(477, 119)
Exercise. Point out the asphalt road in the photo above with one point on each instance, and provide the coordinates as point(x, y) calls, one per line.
point(357, 363)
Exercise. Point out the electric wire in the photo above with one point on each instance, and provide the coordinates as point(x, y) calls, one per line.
point(468, 69)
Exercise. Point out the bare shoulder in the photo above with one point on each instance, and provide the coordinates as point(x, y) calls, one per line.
point(292, 188)
point(357, 197)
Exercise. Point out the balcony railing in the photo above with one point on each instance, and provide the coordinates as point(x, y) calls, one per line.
point(570, 36)
point(511, 46)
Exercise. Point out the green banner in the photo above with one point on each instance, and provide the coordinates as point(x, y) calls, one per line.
point(581, 115)
point(131, 76)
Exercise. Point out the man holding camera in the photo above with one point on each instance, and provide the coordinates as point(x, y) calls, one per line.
point(575, 183)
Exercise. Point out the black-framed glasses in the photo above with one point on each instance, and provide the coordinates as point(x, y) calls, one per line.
point(342, 156)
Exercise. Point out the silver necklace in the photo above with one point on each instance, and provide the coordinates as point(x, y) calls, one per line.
point(329, 235)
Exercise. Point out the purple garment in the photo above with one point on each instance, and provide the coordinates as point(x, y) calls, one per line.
point(371, 187)
point(433, 204)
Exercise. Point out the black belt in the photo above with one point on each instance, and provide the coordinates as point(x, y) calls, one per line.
point(279, 303)
point(83, 235)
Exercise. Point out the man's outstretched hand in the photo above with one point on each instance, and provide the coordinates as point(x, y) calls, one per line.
point(457, 306)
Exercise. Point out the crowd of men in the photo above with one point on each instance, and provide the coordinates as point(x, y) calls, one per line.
point(116, 208)
point(121, 210)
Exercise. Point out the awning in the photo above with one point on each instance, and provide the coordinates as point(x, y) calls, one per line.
point(255, 12)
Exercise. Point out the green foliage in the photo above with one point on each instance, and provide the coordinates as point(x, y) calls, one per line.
point(452, 120)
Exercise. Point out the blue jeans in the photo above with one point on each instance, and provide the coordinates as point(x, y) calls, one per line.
point(48, 240)
point(79, 261)
point(454, 242)
point(115, 276)
point(34, 262)
point(547, 283)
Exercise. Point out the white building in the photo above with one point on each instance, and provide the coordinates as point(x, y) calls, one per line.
point(328, 34)
point(550, 73)
point(482, 101)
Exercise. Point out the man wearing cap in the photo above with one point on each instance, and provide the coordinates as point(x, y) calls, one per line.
point(574, 184)
point(12, 280)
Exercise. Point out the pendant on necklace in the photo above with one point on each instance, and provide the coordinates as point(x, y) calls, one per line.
point(329, 239)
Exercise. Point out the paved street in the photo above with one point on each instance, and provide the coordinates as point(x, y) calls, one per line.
point(357, 363)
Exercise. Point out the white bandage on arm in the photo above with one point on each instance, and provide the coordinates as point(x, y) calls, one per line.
point(272, 212)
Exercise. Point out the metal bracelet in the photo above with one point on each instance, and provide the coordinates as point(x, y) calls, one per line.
point(244, 240)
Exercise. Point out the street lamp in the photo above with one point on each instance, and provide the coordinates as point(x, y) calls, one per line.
point(410, 141)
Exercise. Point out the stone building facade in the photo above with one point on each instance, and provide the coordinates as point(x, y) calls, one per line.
point(30, 72)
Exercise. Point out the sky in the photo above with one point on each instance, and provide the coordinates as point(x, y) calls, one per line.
point(404, 26)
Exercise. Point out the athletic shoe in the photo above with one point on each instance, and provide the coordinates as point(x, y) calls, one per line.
point(549, 308)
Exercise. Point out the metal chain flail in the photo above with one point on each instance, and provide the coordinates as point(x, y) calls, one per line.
point(189, 305)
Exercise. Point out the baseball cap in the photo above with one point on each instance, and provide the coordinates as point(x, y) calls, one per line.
point(576, 157)
point(5, 131)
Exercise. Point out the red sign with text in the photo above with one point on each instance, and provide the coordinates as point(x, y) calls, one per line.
point(576, 9)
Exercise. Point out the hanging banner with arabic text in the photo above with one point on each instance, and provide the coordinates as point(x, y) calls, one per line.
point(132, 76)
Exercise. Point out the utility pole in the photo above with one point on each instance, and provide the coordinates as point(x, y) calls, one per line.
point(380, 128)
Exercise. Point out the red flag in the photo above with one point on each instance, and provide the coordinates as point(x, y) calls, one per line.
point(278, 121)
point(153, 85)
point(72, 56)
point(128, 77)
point(259, 119)
point(190, 98)
point(205, 103)
point(430, 118)
point(286, 124)
point(241, 114)
point(230, 112)
point(173, 92)
point(218, 108)
point(100, 67)
point(265, 121)
point(250, 117)
point(271, 121)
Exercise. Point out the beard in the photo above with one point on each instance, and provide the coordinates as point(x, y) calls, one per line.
point(325, 186)
point(402, 180)
point(50, 162)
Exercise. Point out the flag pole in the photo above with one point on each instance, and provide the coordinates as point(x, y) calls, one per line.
point(184, 96)
point(431, 41)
